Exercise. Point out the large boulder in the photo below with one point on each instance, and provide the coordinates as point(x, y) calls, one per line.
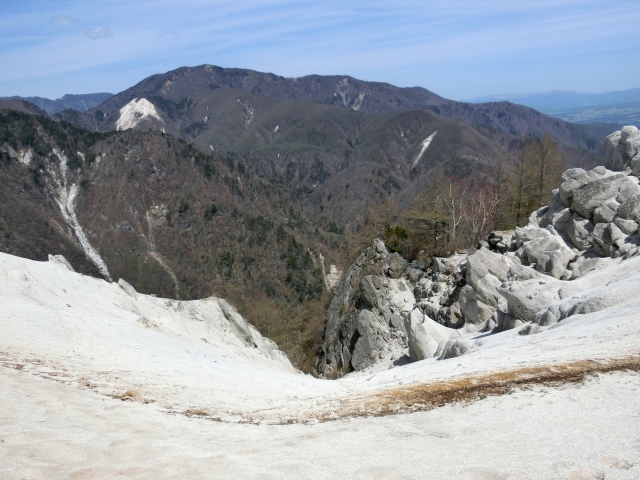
point(556, 214)
point(630, 209)
point(629, 227)
point(548, 252)
point(632, 145)
point(628, 133)
point(372, 337)
point(615, 152)
point(483, 262)
point(474, 311)
point(449, 265)
point(380, 247)
point(396, 265)
point(526, 298)
point(622, 150)
point(425, 335)
point(572, 183)
point(579, 231)
point(454, 348)
point(526, 234)
point(602, 243)
point(486, 271)
point(606, 212)
point(593, 194)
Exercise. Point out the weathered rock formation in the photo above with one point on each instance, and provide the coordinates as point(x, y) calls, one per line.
point(388, 311)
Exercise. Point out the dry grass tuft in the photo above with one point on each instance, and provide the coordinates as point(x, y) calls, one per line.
point(131, 395)
point(128, 396)
point(463, 390)
point(200, 413)
point(196, 412)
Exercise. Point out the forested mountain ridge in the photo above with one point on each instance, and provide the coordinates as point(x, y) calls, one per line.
point(312, 136)
point(150, 208)
point(192, 84)
point(69, 101)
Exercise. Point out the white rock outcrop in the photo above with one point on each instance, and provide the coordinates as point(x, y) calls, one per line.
point(539, 274)
point(135, 112)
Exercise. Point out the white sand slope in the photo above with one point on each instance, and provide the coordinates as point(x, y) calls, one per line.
point(73, 347)
point(591, 431)
point(135, 112)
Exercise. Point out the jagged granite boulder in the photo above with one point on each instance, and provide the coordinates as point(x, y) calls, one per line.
point(579, 231)
point(454, 348)
point(606, 212)
point(425, 335)
point(630, 209)
point(372, 335)
point(615, 152)
point(593, 194)
point(622, 150)
point(573, 183)
point(526, 298)
point(473, 309)
point(396, 265)
point(486, 271)
point(545, 249)
point(365, 318)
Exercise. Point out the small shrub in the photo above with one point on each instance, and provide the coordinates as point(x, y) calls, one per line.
point(73, 160)
point(210, 212)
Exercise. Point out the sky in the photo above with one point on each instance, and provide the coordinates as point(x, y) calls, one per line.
point(459, 49)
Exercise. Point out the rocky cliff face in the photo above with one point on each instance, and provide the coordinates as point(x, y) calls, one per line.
point(388, 311)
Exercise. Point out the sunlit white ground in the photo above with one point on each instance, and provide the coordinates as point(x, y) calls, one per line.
point(51, 430)
point(68, 342)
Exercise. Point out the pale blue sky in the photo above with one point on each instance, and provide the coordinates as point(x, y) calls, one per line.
point(456, 48)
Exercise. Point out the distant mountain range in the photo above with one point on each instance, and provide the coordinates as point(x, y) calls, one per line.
point(622, 107)
point(69, 101)
point(195, 84)
point(321, 136)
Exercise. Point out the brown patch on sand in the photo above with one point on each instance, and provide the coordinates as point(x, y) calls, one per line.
point(200, 413)
point(422, 397)
point(131, 395)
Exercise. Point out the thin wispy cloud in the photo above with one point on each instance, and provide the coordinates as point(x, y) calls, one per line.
point(63, 20)
point(99, 32)
point(458, 48)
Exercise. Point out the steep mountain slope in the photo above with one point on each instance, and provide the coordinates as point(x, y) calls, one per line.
point(19, 105)
point(69, 101)
point(192, 84)
point(172, 221)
